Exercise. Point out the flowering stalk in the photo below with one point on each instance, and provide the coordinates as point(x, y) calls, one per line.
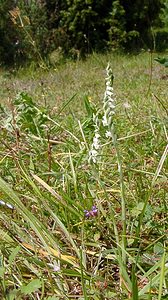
point(109, 104)
point(93, 153)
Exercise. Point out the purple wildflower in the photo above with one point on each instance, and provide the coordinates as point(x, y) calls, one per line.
point(94, 210)
point(87, 213)
point(91, 213)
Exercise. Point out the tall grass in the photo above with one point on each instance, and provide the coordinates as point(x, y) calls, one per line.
point(76, 228)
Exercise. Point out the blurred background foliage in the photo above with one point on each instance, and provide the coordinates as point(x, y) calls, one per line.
point(30, 30)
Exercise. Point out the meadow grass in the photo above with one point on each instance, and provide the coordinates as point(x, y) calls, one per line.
point(63, 232)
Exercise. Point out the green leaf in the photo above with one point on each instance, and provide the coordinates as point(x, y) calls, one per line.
point(110, 294)
point(5, 237)
point(134, 283)
point(136, 211)
point(33, 286)
point(2, 271)
point(13, 294)
point(89, 107)
point(14, 254)
point(162, 60)
point(162, 275)
point(158, 248)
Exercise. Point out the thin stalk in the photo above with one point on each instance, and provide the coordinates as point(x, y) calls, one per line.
point(82, 276)
point(49, 156)
point(151, 70)
point(122, 191)
point(162, 275)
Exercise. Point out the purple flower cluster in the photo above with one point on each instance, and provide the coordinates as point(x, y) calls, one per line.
point(91, 213)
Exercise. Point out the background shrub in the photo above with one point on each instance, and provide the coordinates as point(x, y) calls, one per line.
point(30, 30)
point(8, 34)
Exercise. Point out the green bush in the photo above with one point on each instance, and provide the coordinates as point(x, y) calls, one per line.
point(30, 30)
point(9, 35)
point(161, 39)
point(140, 16)
point(164, 13)
point(23, 31)
point(161, 33)
point(116, 31)
point(89, 26)
point(85, 24)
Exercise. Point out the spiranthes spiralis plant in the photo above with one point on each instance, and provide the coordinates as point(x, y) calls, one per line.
point(109, 105)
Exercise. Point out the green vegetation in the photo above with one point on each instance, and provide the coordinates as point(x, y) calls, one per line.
point(74, 227)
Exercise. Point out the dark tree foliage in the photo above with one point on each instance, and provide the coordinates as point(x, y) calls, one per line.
point(140, 16)
point(85, 24)
point(117, 34)
point(92, 25)
point(8, 34)
point(24, 31)
point(35, 33)
point(77, 27)
point(53, 11)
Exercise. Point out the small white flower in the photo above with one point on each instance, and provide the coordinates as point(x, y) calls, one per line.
point(94, 159)
point(109, 100)
point(108, 82)
point(6, 204)
point(109, 93)
point(93, 156)
point(2, 202)
point(108, 134)
point(93, 153)
point(111, 104)
point(105, 121)
point(112, 112)
point(96, 142)
point(108, 87)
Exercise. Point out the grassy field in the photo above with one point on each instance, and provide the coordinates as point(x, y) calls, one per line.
point(83, 206)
